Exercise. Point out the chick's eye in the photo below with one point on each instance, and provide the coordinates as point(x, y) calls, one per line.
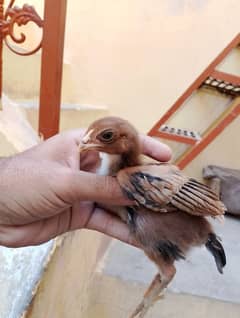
point(106, 136)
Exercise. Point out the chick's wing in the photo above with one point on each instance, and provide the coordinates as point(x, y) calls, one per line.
point(163, 187)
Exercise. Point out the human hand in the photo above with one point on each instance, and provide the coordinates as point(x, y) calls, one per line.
point(44, 194)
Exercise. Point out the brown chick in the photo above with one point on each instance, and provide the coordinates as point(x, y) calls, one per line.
point(168, 217)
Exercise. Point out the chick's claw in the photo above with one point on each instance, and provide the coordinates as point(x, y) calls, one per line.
point(153, 294)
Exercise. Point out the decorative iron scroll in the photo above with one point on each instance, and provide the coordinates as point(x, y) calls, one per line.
point(16, 16)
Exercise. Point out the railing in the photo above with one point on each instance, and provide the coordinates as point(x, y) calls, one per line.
point(226, 83)
point(51, 43)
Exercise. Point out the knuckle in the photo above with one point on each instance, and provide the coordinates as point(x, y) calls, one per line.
point(7, 238)
point(110, 187)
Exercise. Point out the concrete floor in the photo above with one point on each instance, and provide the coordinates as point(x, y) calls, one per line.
point(115, 298)
point(77, 285)
point(198, 290)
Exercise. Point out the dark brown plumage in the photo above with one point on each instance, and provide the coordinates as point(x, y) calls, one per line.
point(168, 217)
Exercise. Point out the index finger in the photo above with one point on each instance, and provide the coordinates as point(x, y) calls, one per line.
point(155, 149)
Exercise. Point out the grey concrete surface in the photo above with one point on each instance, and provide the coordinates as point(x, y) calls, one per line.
point(196, 276)
point(114, 298)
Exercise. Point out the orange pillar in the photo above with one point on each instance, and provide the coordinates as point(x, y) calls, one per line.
point(51, 68)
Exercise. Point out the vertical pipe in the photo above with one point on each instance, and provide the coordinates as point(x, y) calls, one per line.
point(51, 67)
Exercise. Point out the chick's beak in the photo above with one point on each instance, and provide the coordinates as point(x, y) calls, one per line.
point(87, 143)
point(86, 147)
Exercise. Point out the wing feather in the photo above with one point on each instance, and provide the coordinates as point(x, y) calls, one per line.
point(160, 187)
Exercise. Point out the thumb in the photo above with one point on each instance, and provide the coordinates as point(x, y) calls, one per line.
point(87, 186)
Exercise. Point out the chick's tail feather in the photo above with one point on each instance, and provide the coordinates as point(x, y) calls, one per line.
point(216, 249)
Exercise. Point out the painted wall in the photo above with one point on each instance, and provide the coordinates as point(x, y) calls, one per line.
point(66, 288)
point(139, 56)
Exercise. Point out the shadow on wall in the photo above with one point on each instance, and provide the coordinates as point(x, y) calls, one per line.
point(21, 77)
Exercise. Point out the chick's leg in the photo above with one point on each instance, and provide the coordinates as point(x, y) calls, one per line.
point(154, 292)
point(150, 296)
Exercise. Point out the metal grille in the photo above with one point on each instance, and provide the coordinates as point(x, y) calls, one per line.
point(180, 132)
point(222, 86)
